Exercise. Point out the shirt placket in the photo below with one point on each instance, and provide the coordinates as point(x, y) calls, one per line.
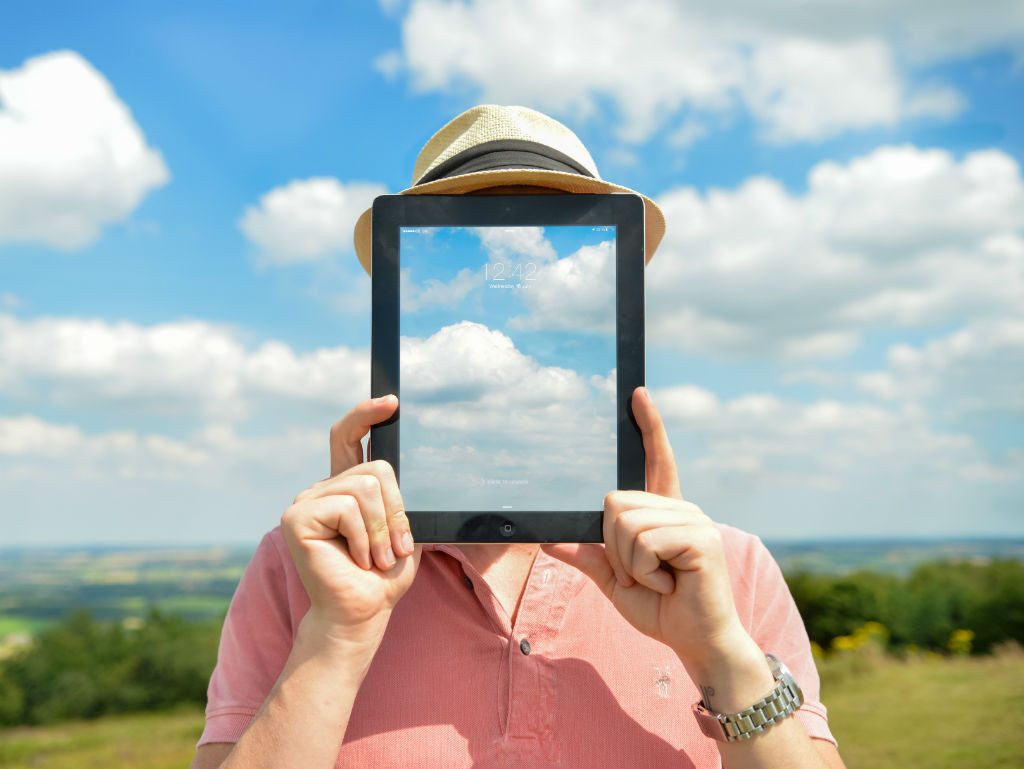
point(530, 731)
point(526, 716)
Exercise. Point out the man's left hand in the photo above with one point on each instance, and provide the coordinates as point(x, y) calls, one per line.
point(662, 563)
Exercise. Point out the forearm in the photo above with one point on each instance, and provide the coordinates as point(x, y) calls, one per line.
point(304, 718)
point(731, 680)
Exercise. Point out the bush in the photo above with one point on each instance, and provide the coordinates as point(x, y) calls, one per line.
point(923, 610)
point(12, 700)
point(83, 669)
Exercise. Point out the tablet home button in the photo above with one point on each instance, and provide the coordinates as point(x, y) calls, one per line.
point(507, 529)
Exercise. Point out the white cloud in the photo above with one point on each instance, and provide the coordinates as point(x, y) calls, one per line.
point(977, 368)
point(391, 6)
point(129, 486)
point(833, 468)
point(481, 363)
point(805, 72)
point(818, 441)
point(389, 64)
point(170, 368)
point(608, 385)
point(575, 292)
point(807, 89)
point(493, 413)
point(900, 199)
point(901, 236)
point(72, 158)
point(306, 220)
point(435, 292)
point(688, 134)
point(30, 436)
point(935, 99)
point(505, 243)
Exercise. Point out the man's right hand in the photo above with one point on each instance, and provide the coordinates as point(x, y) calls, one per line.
point(349, 536)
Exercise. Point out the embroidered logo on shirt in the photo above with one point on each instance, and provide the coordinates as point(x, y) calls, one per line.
point(662, 679)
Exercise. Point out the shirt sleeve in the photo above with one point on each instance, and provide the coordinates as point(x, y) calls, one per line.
point(771, 617)
point(255, 641)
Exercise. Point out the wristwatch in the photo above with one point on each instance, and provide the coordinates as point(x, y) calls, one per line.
point(783, 701)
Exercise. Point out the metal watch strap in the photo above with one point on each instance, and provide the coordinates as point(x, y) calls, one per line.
point(784, 700)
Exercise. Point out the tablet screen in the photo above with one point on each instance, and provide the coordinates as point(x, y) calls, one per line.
point(508, 356)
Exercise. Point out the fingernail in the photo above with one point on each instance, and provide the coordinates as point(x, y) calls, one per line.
point(389, 557)
point(407, 542)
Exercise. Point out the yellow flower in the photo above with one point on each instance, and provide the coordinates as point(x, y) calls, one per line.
point(960, 641)
point(844, 643)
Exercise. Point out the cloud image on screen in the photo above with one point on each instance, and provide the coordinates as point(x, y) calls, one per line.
point(507, 370)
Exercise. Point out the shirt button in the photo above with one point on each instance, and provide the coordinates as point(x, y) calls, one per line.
point(524, 646)
point(469, 582)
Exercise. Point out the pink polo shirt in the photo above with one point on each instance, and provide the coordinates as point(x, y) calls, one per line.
point(454, 683)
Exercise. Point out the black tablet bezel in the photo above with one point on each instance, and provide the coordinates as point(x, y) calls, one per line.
point(625, 213)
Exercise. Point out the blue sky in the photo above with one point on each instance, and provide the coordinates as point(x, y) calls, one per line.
point(835, 323)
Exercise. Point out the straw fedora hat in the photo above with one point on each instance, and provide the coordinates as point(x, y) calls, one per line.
point(492, 146)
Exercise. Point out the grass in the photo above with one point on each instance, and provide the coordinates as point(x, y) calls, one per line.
point(922, 714)
point(930, 714)
point(196, 604)
point(14, 624)
point(140, 741)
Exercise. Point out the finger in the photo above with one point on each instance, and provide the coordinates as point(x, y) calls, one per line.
point(620, 502)
point(347, 433)
point(628, 499)
point(362, 483)
point(632, 525)
point(662, 476)
point(590, 559)
point(652, 548)
point(399, 529)
point(327, 518)
point(394, 508)
point(367, 490)
point(612, 510)
point(685, 547)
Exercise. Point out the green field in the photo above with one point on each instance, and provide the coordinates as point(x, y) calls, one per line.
point(143, 741)
point(15, 625)
point(927, 714)
point(940, 714)
point(39, 587)
point(932, 713)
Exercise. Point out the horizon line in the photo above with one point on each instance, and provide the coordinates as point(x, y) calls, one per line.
point(895, 539)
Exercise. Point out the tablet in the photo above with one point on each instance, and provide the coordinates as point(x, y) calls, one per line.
point(511, 327)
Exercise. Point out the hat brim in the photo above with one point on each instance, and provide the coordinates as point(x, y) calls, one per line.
point(654, 220)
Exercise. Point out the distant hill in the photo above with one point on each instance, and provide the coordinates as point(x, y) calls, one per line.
point(896, 557)
point(39, 586)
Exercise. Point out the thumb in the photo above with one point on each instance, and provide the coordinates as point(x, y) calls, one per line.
point(347, 433)
point(590, 559)
point(662, 476)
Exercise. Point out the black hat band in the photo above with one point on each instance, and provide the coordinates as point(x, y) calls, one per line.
point(504, 153)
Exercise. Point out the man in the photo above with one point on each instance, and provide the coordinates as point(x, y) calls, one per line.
point(514, 655)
